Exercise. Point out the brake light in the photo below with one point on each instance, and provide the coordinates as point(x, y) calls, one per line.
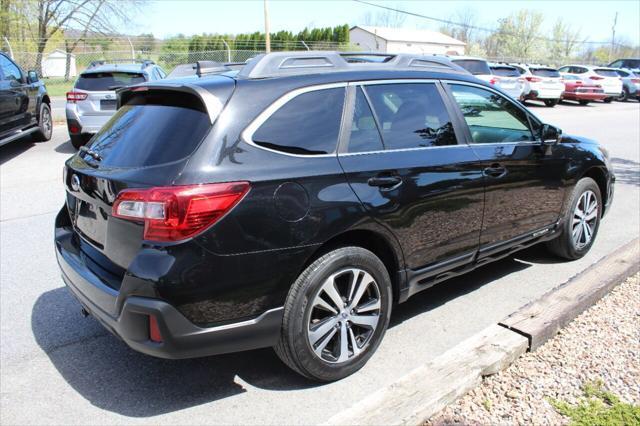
point(494, 80)
point(175, 213)
point(154, 330)
point(76, 96)
point(595, 77)
point(635, 80)
point(533, 79)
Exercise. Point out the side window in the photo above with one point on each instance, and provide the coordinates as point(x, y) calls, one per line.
point(580, 70)
point(364, 132)
point(491, 117)
point(10, 70)
point(161, 72)
point(616, 64)
point(565, 69)
point(308, 124)
point(411, 115)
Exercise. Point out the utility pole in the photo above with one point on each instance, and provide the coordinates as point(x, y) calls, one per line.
point(267, 40)
point(613, 36)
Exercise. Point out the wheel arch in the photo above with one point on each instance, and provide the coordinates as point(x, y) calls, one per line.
point(389, 252)
point(600, 177)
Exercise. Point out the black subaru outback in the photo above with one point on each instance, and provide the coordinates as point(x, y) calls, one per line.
point(293, 203)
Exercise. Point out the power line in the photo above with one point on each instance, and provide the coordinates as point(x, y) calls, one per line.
point(473, 27)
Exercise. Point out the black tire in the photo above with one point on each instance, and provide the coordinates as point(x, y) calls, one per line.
point(551, 102)
point(624, 96)
point(608, 100)
point(45, 124)
point(79, 140)
point(294, 347)
point(583, 102)
point(564, 245)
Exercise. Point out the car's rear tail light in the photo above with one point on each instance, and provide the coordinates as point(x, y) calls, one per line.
point(175, 213)
point(76, 96)
point(595, 77)
point(494, 80)
point(154, 330)
point(635, 80)
point(533, 79)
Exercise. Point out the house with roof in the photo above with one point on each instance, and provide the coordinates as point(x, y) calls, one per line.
point(55, 64)
point(402, 40)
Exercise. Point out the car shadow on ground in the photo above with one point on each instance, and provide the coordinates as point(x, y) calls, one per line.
point(627, 171)
point(65, 148)
point(15, 148)
point(113, 377)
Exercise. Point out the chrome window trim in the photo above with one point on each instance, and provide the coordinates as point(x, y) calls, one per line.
point(247, 133)
point(421, 148)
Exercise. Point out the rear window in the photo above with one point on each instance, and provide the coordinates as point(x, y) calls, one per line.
point(623, 73)
point(308, 124)
point(544, 72)
point(474, 66)
point(103, 81)
point(606, 73)
point(151, 129)
point(505, 71)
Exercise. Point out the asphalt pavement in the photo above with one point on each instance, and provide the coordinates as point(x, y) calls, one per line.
point(60, 368)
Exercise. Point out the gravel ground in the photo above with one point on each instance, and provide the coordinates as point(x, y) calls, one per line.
point(602, 343)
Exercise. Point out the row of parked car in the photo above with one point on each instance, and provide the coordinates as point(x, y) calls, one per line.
point(581, 83)
point(25, 105)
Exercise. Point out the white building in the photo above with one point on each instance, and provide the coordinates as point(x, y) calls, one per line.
point(401, 40)
point(55, 63)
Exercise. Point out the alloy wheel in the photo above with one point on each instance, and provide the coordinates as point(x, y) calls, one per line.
point(585, 217)
point(344, 315)
point(47, 126)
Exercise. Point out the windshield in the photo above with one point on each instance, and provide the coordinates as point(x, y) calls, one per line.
point(606, 73)
point(505, 71)
point(104, 81)
point(474, 66)
point(152, 129)
point(545, 72)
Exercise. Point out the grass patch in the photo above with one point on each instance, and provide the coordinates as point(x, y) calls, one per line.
point(58, 87)
point(598, 407)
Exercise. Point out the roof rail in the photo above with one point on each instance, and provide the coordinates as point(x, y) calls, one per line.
point(278, 64)
point(143, 62)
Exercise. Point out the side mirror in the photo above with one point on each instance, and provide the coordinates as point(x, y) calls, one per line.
point(550, 135)
point(32, 77)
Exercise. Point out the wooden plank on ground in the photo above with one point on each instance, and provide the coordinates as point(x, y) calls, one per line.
point(540, 320)
point(429, 388)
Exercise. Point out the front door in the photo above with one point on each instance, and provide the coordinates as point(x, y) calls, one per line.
point(15, 99)
point(524, 179)
point(413, 172)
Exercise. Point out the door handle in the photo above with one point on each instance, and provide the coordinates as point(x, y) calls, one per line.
point(386, 182)
point(495, 171)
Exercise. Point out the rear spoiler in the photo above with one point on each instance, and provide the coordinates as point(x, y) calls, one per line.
point(212, 103)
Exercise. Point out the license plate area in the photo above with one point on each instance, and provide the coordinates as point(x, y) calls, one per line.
point(108, 104)
point(88, 220)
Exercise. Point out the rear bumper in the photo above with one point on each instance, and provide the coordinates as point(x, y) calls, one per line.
point(88, 124)
point(128, 316)
point(543, 94)
point(575, 96)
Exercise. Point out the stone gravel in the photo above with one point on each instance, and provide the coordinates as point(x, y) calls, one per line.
point(603, 343)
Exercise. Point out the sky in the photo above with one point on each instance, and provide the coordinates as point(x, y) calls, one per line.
point(164, 18)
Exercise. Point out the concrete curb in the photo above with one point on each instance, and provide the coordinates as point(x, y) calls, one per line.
point(429, 388)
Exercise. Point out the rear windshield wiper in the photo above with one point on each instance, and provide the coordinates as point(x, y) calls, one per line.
point(90, 153)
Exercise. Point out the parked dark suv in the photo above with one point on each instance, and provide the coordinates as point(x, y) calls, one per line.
point(292, 203)
point(24, 104)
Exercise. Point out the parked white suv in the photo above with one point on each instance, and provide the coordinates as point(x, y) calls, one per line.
point(541, 83)
point(481, 69)
point(92, 101)
point(606, 77)
point(508, 79)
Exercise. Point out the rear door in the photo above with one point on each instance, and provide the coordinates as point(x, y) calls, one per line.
point(408, 165)
point(524, 180)
point(146, 143)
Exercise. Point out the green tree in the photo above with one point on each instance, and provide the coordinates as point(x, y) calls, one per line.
point(518, 33)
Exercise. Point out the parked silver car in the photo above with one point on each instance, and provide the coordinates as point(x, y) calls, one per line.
point(92, 101)
point(630, 84)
